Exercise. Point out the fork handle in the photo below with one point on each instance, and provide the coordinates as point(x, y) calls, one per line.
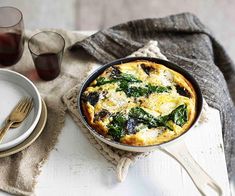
point(4, 130)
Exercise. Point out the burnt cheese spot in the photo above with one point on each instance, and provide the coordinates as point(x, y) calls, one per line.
point(92, 98)
point(103, 94)
point(182, 91)
point(102, 114)
point(115, 71)
point(147, 69)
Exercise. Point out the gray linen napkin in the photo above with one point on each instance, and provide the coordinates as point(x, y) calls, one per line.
point(183, 39)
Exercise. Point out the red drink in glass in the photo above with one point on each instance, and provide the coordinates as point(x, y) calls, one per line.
point(11, 48)
point(47, 66)
point(11, 36)
point(47, 50)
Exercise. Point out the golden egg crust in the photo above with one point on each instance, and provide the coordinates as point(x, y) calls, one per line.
point(140, 103)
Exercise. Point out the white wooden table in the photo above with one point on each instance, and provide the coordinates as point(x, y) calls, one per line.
point(76, 168)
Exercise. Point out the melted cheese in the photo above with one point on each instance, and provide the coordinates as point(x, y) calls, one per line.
point(156, 104)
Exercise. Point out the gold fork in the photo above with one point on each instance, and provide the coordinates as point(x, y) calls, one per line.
point(17, 124)
point(18, 114)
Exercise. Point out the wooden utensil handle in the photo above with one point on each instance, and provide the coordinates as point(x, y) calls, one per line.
point(4, 130)
point(204, 183)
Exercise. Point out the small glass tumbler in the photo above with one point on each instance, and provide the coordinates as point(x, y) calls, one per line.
point(11, 36)
point(47, 50)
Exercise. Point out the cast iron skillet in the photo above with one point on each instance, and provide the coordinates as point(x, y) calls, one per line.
point(175, 147)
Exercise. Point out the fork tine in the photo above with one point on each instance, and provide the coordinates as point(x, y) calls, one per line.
point(27, 102)
point(31, 107)
point(28, 106)
point(20, 104)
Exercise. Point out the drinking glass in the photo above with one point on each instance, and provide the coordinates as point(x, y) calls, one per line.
point(47, 50)
point(11, 36)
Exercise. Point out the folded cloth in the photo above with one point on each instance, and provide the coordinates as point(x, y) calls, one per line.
point(183, 39)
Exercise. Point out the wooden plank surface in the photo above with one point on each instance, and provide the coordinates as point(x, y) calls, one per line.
point(76, 168)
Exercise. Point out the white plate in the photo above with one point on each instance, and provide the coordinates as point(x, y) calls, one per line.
point(13, 87)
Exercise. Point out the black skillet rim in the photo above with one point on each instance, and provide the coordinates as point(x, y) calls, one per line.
point(168, 64)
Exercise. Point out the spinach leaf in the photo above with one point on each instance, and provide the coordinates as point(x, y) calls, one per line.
point(158, 89)
point(115, 131)
point(136, 91)
point(119, 119)
point(101, 81)
point(126, 77)
point(122, 77)
point(144, 117)
point(179, 115)
point(132, 91)
point(125, 80)
point(117, 126)
point(141, 91)
point(121, 125)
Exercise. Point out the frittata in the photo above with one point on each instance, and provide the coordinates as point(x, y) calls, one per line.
point(140, 103)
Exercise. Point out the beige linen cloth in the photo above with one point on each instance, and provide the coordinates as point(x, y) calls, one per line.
point(18, 172)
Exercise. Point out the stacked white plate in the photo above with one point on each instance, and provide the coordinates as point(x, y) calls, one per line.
point(14, 87)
